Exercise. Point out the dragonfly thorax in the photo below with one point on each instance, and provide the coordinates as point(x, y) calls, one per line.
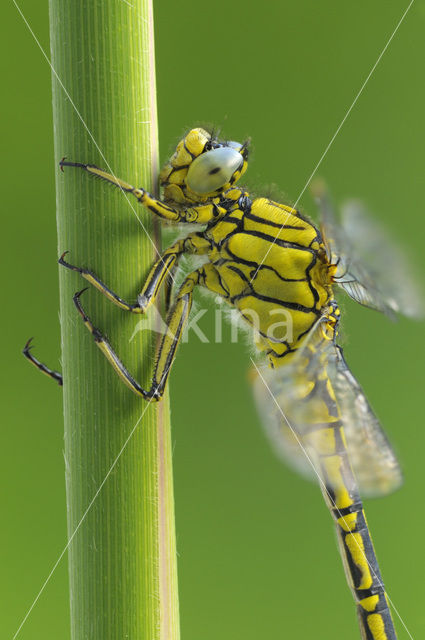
point(271, 266)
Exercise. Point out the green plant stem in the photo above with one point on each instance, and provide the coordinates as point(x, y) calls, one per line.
point(122, 560)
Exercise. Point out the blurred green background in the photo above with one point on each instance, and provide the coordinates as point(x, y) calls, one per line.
point(257, 551)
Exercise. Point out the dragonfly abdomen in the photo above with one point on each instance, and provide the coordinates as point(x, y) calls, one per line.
point(355, 542)
point(363, 574)
point(322, 432)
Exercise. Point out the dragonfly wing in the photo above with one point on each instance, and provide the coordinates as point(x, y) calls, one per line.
point(371, 267)
point(275, 399)
point(284, 414)
point(371, 455)
point(287, 418)
point(386, 262)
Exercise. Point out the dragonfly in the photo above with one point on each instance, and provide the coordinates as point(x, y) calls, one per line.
point(265, 258)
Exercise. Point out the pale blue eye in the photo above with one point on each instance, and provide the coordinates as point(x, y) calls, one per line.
point(213, 169)
point(234, 145)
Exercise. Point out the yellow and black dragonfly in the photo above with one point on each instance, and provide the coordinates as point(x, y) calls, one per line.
point(266, 259)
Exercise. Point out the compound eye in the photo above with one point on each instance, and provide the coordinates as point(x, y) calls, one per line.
point(213, 169)
point(234, 145)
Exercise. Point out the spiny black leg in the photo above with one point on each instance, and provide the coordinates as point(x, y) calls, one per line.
point(203, 213)
point(93, 170)
point(112, 357)
point(63, 163)
point(176, 321)
point(162, 271)
point(94, 280)
point(40, 366)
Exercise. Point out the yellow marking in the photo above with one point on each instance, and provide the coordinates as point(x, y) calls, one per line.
point(89, 325)
point(201, 214)
point(377, 626)
point(279, 348)
point(348, 522)
point(342, 435)
point(304, 388)
point(195, 244)
point(177, 177)
point(268, 280)
point(287, 208)
point(234, 194)
point(288, 262)
point(370, 603)
point(212, 281)
point(269, 210)
point(332, 467)
point(330, 390)
point(174, 193)
point(196, 140)
point(239, 173)
point(269, 314)
point(221, 230)
point(323, 441)
point(181, 157)
point(291, 235)
point(165, 172)
point(355, 545)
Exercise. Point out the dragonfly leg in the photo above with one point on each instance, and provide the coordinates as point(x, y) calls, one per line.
point(160, 271)
point(163, 269)
point(55, 375)
point(198, 214)
point(176, 321)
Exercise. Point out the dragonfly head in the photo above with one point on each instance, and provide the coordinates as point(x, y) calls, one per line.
point(202, 167)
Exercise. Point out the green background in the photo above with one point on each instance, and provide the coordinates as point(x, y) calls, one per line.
point(257, 551)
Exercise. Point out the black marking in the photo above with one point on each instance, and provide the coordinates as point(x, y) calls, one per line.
point(319, 426)
point(270, 268)
point(295, 306)
point(280, 243)
point(304, 333)
point(375, 590)
point(186, 299)
point(180, 166)
point(161, 270)
point(222, 284)
point(192, 155)
point(355, 507)
point(214, 171)
point(55, 375)
point(281, 355)
point(320, 389)
point(313, 289)
point(242, 277)
point(235, 258)
point(315, 239)
point(157, 212)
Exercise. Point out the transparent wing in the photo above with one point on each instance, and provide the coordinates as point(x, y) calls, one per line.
point(387, 263)
point(371, 267)
point(287, 418)
point(374, 462)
